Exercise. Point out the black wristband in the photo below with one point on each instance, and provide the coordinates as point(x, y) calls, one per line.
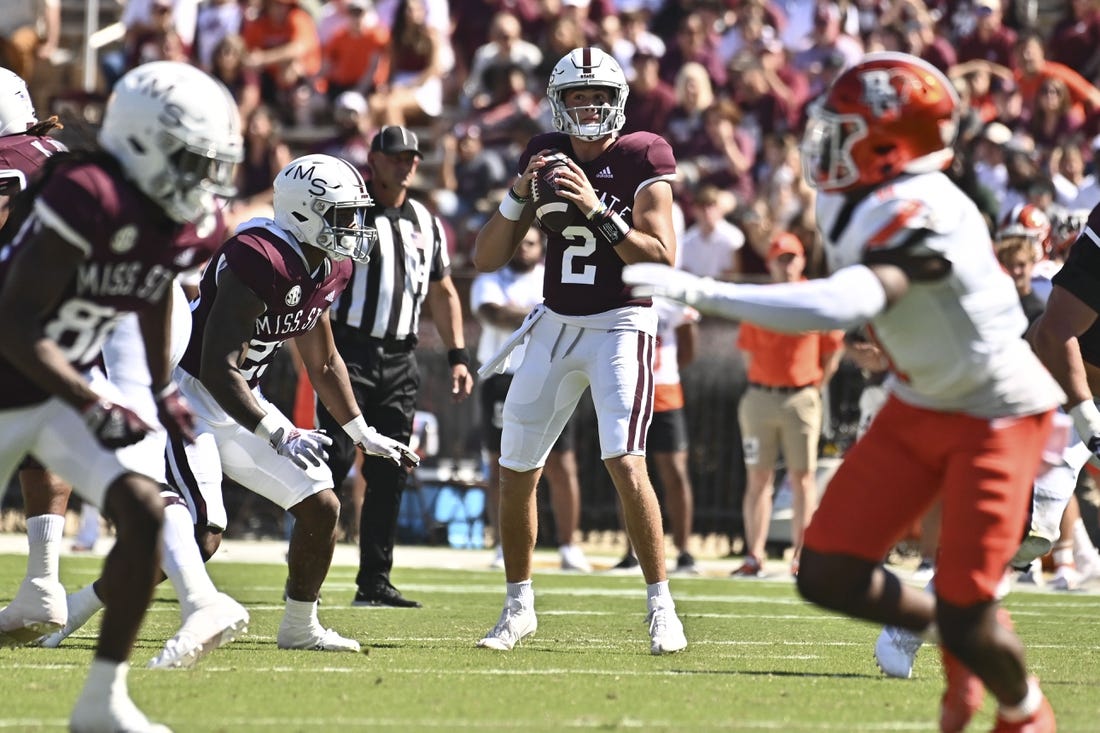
point(458, 356)
point(610, 227)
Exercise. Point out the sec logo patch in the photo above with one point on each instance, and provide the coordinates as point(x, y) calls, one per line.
point(294, 296)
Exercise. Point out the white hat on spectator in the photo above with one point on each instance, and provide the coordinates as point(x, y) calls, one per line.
point(992, 5)
point(358, 4)
point(650, 46)
point(997, 133)
point(576, 3)
point(351, 101)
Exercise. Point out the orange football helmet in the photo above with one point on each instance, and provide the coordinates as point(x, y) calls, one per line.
point(890, 114)
point(1029, 221)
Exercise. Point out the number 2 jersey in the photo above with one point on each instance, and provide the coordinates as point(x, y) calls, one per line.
point(583, 275)
point(132, 252)
point(270, 263)
point(954, 343)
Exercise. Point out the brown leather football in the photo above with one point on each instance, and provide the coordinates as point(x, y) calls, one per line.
point(553, 212)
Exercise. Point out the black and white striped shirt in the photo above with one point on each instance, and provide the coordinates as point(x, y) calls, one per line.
point(384, 296)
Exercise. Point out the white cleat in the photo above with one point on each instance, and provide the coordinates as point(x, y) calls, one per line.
point(38, 609)
point(896, 650)
point(82, 606)
point(515, 623)
point(1065, 577)
point(666, 633)
point(207, 628)
point(572, 558)
point(315, 639)
point(118, 713)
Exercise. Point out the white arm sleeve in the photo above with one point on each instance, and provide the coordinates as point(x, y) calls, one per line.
point(848, 298)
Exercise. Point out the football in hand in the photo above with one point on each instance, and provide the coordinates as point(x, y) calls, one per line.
point(553, 211)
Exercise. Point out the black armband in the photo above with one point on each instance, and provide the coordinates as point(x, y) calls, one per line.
point(609, 226)
point(458, 356)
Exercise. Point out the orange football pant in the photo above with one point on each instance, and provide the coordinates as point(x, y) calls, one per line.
point(984, 470)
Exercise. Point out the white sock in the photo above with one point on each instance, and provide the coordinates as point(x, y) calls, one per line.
point(1082, 543)
point(659, 596)
point(44, 534)
point(521, 592)
point(1025, 708)
point(301, 614)
point(106, 678)
point(182, 561)
point(1062, 556)
point(84, 603)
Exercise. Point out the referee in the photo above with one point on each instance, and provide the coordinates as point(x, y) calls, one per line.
point(374, 323)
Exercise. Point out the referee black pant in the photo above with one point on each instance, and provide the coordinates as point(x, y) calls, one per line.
point(385, 379)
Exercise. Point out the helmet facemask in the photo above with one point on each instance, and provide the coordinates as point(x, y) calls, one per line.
point(344, 233)
point(610, 114)
point(827, 161)
point(193, 174)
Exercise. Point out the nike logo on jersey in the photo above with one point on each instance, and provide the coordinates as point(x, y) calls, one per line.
point(605, 173)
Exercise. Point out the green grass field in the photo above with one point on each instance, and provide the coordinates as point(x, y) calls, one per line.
point(758, 659)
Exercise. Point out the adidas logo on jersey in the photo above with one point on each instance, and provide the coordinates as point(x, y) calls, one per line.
point(330, 296)
point(605, 173)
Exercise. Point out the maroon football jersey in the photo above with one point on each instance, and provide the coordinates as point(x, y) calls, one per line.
point(273, 269)
point(132, 251)
point(583, 275)
point(21, 156)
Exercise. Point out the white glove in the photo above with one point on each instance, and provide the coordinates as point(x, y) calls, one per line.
point(650, 278)
point(373, 443)
point(304, 447)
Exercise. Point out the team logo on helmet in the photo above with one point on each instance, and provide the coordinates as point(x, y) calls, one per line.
point(885, 91)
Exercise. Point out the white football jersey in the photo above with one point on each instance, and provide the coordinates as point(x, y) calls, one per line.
point(504, 287)
point(956, 344)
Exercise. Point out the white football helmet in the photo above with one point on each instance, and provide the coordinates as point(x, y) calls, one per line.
point(588, 67)
point(16, 110)
point(176, 132)
point(322, 200)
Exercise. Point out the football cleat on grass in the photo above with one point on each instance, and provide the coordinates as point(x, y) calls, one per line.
point(666, 633)
point(962, 696)
point(516, 622)
point(37, 610)
point(896, 650)
point(206, 629)
point(315, 639)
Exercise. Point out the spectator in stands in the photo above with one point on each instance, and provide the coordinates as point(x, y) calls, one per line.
point(990, 156)
point(918, 37)
point(829, 44)
point(694, 94)
point(283, 46)
point(748, 33)
point(470, 176)
point(1075, 39)
point(264, 156)
point(1066, 167)
point(755, 222)
point(512, 112)
point(353, 131)
point(414, 91)
point(990, 40)
point(563, 34)
point(635, 22)
point(159, 41)
point(217, 20)
point(762, 97)
point(333, 17)
point(1033, 69)
point(781, 412)
point(242, 82)
point(651, 101)
point(138, 17)
point(505, 49)
point(20, 43)
point(580, 12)
point(1053, 119)
point(711, 246)
point(724, 154)
point(356, 57)
point(695, 43)
point(780, 181)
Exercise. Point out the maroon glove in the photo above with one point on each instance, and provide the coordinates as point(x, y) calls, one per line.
point(114, 426)
point(175, 414)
